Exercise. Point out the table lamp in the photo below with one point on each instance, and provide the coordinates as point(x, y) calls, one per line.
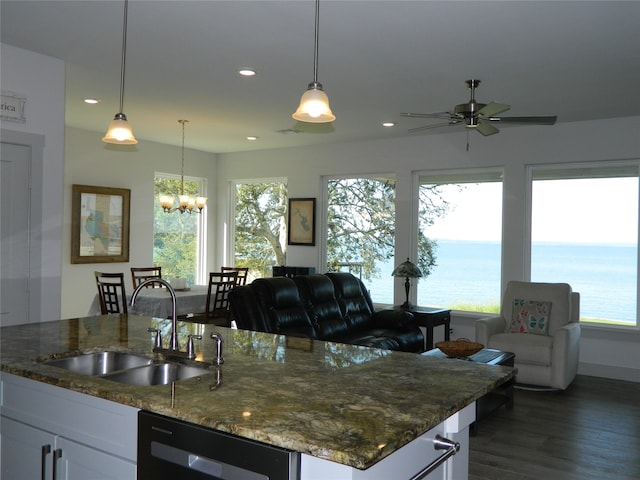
point(407, 270)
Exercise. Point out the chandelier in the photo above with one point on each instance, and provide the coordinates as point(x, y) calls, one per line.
point(186, 203)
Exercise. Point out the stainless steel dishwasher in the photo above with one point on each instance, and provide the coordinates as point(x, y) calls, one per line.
point(169, 449)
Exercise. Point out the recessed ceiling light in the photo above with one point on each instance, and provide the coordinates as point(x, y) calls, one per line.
point(246, 72)
point(91, 101)
point(388, 124)
point(252, 138)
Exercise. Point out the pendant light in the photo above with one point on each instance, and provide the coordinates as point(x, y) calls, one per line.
point(119, 131)
point(314, 104)
point(186, 203)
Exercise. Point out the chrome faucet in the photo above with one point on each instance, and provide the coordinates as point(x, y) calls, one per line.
point(174, 347)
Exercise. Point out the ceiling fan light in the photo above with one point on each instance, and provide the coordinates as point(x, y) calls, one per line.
point(314, 106)
point(120, 131)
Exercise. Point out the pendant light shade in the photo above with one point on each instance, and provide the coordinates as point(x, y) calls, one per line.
point(314, 104)
point(120, 131)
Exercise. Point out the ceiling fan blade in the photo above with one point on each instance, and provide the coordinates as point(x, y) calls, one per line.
point(445, 115)
point(550, 120)
point(486, 129)
point(493, 108)
point(429, 127)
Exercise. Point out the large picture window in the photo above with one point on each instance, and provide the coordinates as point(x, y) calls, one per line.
point(584, 232)
point(460, 215)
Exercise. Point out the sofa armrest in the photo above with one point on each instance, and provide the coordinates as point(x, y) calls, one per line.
point(393, 319)
point(488, 326)
point(565, 356)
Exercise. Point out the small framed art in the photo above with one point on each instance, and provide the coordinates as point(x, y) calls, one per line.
point(302, 221)
point(99, 224)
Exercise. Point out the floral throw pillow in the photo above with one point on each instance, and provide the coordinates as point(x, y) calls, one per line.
point(530, 316)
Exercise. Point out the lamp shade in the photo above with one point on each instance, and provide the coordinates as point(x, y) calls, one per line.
point(314, 106)
point(407, 270)
point(119, 131)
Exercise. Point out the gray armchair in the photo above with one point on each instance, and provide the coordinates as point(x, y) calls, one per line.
point(539, 322)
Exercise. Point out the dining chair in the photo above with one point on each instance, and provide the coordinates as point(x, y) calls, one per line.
point(111, 292)
point(242, 273)
point(140, 274)
point(217, 306)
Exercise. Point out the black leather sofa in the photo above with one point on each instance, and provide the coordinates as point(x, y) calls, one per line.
point(332, 306)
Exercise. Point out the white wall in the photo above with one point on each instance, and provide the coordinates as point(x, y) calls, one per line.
point(89, 161)
point(606, 352)
point(41, 80)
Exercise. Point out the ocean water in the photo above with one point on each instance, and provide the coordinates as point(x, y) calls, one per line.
point(469, 273)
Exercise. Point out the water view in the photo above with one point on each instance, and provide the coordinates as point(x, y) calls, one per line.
point(468, 273)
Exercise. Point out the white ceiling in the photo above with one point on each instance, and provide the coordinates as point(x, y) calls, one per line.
point(577, 59)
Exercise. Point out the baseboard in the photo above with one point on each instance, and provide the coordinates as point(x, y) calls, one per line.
point(609, 371)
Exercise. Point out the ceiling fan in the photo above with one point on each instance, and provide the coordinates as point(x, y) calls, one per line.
point(479, 116)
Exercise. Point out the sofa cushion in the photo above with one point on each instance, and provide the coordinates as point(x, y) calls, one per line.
point(559, 294)
point(353, 299)
point(529, 349)
point(280, 299)
point(319, 300)
point(530, 316)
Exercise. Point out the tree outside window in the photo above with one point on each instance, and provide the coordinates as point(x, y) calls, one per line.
point(260, 237)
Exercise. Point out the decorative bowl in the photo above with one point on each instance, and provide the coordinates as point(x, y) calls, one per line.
point(459, 348)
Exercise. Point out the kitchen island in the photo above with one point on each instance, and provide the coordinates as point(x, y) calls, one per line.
point(348, 410)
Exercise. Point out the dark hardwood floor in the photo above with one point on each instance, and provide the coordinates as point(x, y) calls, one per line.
point(591, 431)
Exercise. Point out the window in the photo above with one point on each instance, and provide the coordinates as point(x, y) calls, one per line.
point(179, 238)
point(584, 232)
point(260, 227)
point(361, 231)
point(460, 223)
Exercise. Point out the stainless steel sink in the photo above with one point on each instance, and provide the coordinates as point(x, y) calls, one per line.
point(157, 374)
point(100, 363)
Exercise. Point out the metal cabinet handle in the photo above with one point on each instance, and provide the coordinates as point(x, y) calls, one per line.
point(46, 450)
point(439, 443)
point(57, 453)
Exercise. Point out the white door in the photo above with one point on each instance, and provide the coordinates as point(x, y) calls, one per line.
point(14, 232)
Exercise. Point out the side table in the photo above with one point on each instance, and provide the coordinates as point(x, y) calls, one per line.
point(430, 317)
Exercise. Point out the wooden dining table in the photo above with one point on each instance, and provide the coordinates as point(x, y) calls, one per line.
point(156, 302)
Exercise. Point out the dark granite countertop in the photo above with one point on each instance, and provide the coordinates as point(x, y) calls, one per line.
point(348, 404)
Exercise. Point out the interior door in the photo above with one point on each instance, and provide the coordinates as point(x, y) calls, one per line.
point(15, 233)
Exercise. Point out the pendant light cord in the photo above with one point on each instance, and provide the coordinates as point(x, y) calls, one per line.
point(315, 40)
point(182, 168)
point(124, 55)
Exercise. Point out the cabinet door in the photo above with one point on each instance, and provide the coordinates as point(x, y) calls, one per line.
point(22, 451)
point(79, 462)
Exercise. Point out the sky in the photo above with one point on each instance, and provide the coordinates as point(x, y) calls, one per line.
point(590, 211)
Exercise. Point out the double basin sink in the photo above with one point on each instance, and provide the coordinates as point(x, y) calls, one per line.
point(129, 368)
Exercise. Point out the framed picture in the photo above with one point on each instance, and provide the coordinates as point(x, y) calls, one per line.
point(302, 221)
point(99, 224)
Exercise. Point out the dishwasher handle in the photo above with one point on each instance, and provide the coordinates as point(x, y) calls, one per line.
point(439, 443)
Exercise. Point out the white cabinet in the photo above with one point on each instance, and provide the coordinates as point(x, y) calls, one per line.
point(50, 433)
